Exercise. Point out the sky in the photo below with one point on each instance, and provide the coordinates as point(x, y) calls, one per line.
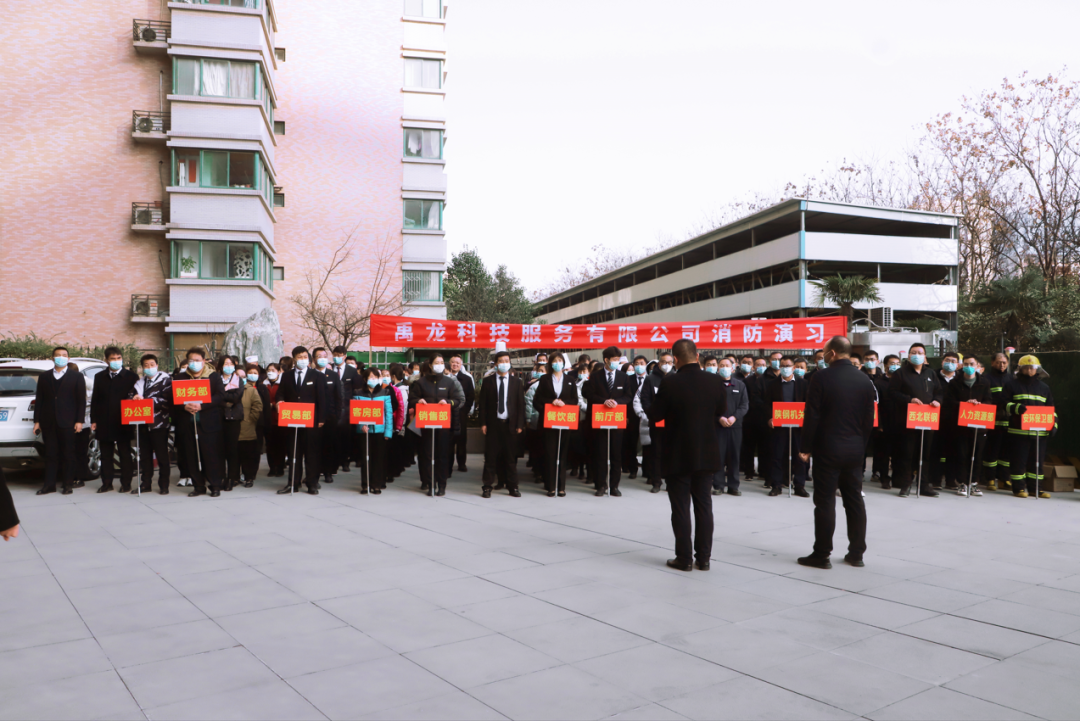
point(572, 123)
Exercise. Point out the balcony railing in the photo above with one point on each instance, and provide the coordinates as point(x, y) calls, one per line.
point(155, 213)
point(149, 306)
point(250, 4)
point(150, 31)
point(149, 121)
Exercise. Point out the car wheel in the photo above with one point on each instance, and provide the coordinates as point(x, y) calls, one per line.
point(94, 458)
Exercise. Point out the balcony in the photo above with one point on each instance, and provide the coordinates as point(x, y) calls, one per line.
point(150, 125)
point(149, 217)
point(151, 36)
point(149, 308)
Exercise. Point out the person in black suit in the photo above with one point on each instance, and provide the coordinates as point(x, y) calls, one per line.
point(786, 388)
point(433, 386)
point(59, 409)
point(608, 388)
point(556, 388)
point(838, 421)
point(110, 387)
point(303, 384)
point(350, 387)
point(729, 435)
point(635, 372)
point(208, 420)
point(468, 386)
point(9, 519)
point(651, 454)
point(335, 406)
point(690, 403)
point(502, 420)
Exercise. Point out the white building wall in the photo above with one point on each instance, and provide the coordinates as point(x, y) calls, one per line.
point(220, 210)
point(220, 121)
point(881, 249)
point(424, 105)
point(423, 176)
point(221, 28)
point(213, 301)
point(423, 248)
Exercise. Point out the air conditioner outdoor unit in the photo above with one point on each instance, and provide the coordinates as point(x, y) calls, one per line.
point(143, 216)
point(144, 125)
point(140, 307)
point(148, 35)
point(881, 317)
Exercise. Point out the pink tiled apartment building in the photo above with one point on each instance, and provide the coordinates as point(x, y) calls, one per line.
point(186, 164)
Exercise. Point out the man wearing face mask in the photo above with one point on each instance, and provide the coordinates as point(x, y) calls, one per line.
point(633, 418)
point(110, 388)
point(729, 433)
point(653, 440)
point(468, 387)
point(59, 409)
point(210, 449)
point(349, 386)
point(746, 374)
point(502, 420)
point(916, 383)
point(787, 389)
point(303, 384)
point(609, 388)
point(819, 364)
point(434, 386)
point(773, 370)
point(328, 436)
point(995, 454)
point(968, 387)
point(943, 468)
point(878, 449)
point(155, 386)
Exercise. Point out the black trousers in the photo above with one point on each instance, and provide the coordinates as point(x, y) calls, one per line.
point(328, 447)
point(210, 450)
point(630, 443)
point(230, 437)
point(828, 477)
point(781, 451)
point(154, 444)
point(250, 453)
point(122, 448)
point(500, 455)
point(965, 439)
point(345, 440)
point(1024, 465)
point(730, 440)
point(461, 444)
point(276, 443)
point(442, 453)
point(907, 466)
point(307, 459)
point(758, 444)
point(371, 458)
point(881, 444)
point(996, 455)
point(650, 456)
point(682, 490)
point(59, 456)
point(607, 445)
point(82, 454)
point(556, 447)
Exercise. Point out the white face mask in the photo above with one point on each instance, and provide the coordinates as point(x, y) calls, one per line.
point(666, 367)
point(272, 375)
point(438, 368)
point(302, 363)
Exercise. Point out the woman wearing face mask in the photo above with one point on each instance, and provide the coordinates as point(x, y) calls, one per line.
point(556, 389)
point(534, 439)
point(968, 387)
point(579, 455)
point(233, 416)
point(434, 387)
point(916, 383)
point(371, 441)
point(397, 449)
point(248, 444)
point(276, 445)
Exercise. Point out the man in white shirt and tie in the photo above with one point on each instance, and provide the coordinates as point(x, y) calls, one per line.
point(502, 420)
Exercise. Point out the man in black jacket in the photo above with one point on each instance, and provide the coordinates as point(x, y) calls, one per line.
point(303, 384)
point(608, 388)
point(968, 387)
point(731, 429)
point(652, 453)
point(350, 386)
point(110, 388)
point(837, 424)
point(916, 383)
point(785, 442)
point(502, 420)
point(468, 386)
point(59, 410)
point(690, 403)
point(207, 419)
point(335, 400)
point(9, 519)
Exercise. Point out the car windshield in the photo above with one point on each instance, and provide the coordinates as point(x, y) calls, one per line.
point(18, 382)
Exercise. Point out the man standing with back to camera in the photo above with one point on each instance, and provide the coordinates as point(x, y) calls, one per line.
point(691, 403)
point(839, 420)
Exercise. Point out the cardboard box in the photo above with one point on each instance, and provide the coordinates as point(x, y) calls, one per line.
point(1059, 479)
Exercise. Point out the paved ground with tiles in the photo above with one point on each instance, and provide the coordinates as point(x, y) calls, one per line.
point(403, 606)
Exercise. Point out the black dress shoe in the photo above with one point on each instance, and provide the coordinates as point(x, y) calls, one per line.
point(164, 491)
point(734, 492)
point(855, 561)
point(66, 492)
point(104, 489)
point(125, 489)
point(702, 565)
point(775, 492)
point(249, 484)
point(905, 491)
point(600, 493)
point(679, 565)
point(364, 490)
point(616, 492)
point(486, 493)
point(376, 491)
point(45, 491)
point(655, 488)
point(78, 484)
point(284, 490)
point(463, 469)
point(633, 475)
point(196, 492)
point(216, 493)
point(562, 494)
point(551, 494)
point(228, 487)
point(313, 491)
point(929, 492)
point(515, 493)
point(329, 478)
point(425, 487)
point(440, 492)
point(801, 493)
point(815, 562)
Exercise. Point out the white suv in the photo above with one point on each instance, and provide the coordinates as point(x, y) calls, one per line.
point(19, 447)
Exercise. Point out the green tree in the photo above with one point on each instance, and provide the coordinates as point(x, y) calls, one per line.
point(472, 293)
point(846, 291)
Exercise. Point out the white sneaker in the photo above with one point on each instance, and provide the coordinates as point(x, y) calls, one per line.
point(863, 493)
point(184, 482)
point(975, 491)
point(962, 491)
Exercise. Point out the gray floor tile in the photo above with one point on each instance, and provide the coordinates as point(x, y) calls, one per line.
point(914, 657)
point(872, 611)
point(532, 580)
point(273, 701)
point(790, 590)
point(254, 596)
point(461, 592)
point(117, 595)
point(139, 617)
point(56, 623)
point(1023, 687)
point(295, 654)
point(514, 613)
point(482, 660)
point(749, 698)
point(454, 706)
point(659, 621)
point(1054, 657)
point(1023, 618)
point(820, 630)
point(743, 649)
point(300, 619)
point(1047, 599)
point(165, 642)
point(369, 688)
point(181, 679)
point(47, 663)
point(656, 672)
point(984, 584)
point(591, 598)
point(99, 695)
point(986, 639)
point(853, 686)
point(923, 595)
point(576, 639)
point(941, 703)
point(729, 604)
point(558, 693)
point(648, 712)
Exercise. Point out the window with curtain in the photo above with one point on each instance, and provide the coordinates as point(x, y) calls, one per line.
point(187, 77)
point(423, 214)
point(421, 143)
point(215, 260)
point(424, 8)
point(423, 73)
point(217, 78)
point(187, 168)
point(421, 285)
point(242, 80)
point(221, 169)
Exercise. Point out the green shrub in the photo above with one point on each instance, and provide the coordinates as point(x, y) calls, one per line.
point(32, 347)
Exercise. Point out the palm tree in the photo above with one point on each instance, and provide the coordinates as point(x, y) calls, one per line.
point(845, 292)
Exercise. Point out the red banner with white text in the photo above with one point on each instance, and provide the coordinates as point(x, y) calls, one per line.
point(392, 331)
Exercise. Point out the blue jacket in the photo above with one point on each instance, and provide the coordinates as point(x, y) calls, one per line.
point(379, 394)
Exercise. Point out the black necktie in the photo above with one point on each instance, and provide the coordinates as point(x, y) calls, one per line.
point(502, 395)
point(299, 376)
point(610, 380)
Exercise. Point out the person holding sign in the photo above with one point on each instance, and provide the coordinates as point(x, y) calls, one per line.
point(996, 453)
point(608, 388)
point(433, 387)
point(838, 422)
point(372, 433)
point(958, 435)
point(303, 384)
point(916, 383)
point(200, 427)
point(1027, 394)
point(785, 442)
point(555, 389)
point(111, 387)
point(155, 385)
point(502, 419)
